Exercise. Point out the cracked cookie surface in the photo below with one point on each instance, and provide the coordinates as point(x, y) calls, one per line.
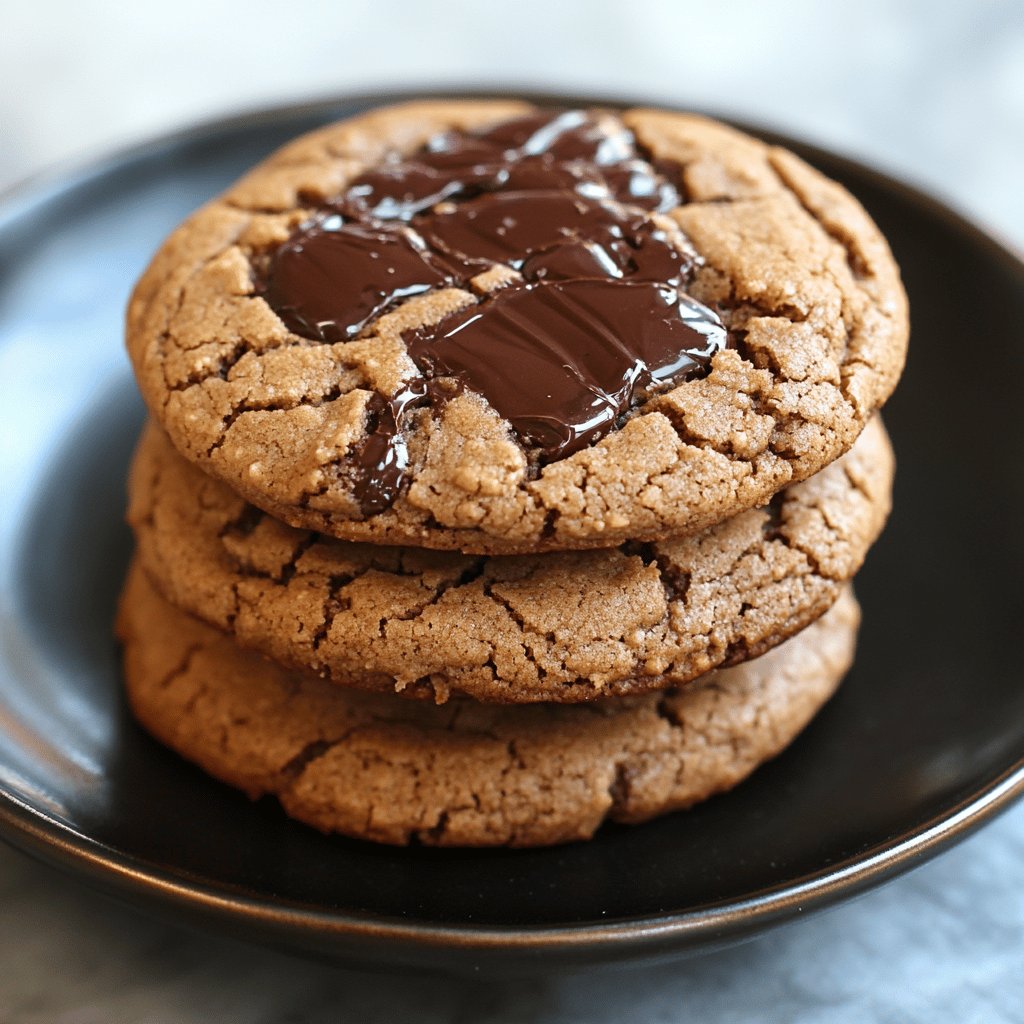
point(465, 774)
point(560, 627)
point(801, 277)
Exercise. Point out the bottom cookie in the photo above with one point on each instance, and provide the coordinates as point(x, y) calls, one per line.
point(465, 774)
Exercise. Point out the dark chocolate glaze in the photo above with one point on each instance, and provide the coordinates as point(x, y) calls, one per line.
point(598, 319)
point(382, 456)
point(362, 269)
point(560, 361)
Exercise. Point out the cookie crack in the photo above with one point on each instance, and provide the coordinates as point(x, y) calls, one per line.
point(776, 525)
point(468, 575)
point(236, 607)
point(224, 363)
point(620, 788)
point(664, 710)
point(287, 571)
point(677, 420)
point(774, 521)
point(774, 531)
point(525, 632)
point(334, 605)
point(194, 698)
point(855, 260)
point(858, 485)
point(431, 835)
point(245, 405)
point(674, 579)
point(313, 750)
point(181, 666)
point(297, 765)
point(864, 281)
point(242, 524)
point(223, 366)
point(166, 333)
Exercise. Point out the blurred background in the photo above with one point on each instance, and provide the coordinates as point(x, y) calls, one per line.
point(931, 90)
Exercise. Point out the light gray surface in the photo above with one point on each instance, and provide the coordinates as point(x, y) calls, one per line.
point(933, 92)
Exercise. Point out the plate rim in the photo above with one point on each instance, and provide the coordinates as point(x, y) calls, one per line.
point(53, 842)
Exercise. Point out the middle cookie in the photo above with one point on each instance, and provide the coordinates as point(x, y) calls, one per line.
point(560, 627)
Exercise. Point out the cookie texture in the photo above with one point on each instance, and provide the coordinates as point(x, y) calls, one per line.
point(465, 774)
point(801, 278)
point(561, 627)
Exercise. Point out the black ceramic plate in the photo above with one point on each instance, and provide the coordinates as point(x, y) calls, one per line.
point(924, 742)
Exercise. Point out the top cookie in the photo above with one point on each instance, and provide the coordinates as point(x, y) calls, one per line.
point(481, 326)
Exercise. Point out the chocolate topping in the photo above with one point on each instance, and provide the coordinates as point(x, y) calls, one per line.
point(361, 269)
point(553, 359)
point(382, 455)
point(597, 319)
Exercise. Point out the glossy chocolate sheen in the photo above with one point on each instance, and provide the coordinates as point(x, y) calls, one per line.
point(559, 369)
point(596, 317)
point(363, 269)
point(382, 456)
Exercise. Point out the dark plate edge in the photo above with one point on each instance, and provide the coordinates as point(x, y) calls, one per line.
point(55, 844)
point(49, 841)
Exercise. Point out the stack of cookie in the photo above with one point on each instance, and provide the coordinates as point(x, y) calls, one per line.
point(507, 470)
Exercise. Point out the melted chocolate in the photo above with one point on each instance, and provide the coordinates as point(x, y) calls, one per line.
point(359, 268)
point(599, 318)
point(561, 361)
point(382, 456)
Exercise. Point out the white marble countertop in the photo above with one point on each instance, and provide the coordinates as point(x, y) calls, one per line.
point(932, 92)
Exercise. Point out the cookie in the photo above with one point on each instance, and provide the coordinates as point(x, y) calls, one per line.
point(562, 627)
point(479, 326)
point(465, 774)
